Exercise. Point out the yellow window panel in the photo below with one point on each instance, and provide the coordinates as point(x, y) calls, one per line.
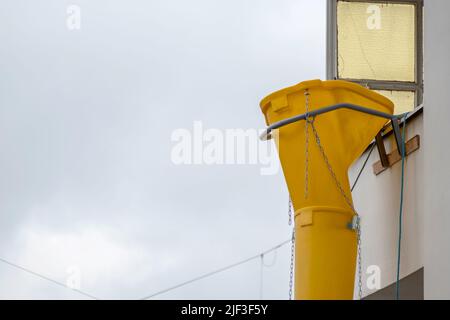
point(376, 41)
point(404, 101)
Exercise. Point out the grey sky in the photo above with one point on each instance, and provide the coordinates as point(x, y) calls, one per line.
point(85, 124)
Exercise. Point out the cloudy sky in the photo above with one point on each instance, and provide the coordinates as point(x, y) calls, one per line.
point(88, 186)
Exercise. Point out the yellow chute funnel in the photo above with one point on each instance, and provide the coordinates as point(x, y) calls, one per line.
point(326, 247)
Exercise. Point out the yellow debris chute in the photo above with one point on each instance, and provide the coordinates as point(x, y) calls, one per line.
point(315, 155)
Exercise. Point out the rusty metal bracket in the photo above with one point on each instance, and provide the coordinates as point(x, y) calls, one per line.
point(381, 150)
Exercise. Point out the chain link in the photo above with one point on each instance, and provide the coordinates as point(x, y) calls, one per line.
point(290, 211)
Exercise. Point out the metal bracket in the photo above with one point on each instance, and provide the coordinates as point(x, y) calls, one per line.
point(393, 118)
point(384, 159)
point(354, 224)
point(397, 134)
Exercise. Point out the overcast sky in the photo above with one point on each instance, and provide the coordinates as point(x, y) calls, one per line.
point(86, 118)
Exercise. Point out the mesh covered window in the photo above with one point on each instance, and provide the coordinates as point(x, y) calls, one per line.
point(376, 41)
point(377, 44)
point(403, 100)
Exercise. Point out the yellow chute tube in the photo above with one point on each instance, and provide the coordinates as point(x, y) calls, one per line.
point(325, 246)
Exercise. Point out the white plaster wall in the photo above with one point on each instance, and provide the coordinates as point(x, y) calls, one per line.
point(436, 151)
point(377, 199)
point(426, 228)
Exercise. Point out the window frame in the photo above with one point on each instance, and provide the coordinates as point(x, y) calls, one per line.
point(332, 47)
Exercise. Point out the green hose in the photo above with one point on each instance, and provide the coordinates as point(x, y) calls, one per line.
point(400, 217)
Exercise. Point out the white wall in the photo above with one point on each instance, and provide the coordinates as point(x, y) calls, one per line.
point(437, 153)
point(426, 239)
point(377, 200)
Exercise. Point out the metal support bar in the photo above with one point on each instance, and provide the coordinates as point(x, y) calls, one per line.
point(394, 119)
point(397, 134)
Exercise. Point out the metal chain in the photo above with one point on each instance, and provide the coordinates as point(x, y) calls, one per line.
point(291, 274)
point(330, 169)
point(290, 211)
point(306, 143)
point(356, 225)
point(308, 120)
point(358, 234)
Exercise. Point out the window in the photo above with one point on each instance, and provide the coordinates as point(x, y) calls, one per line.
point(378, 44)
